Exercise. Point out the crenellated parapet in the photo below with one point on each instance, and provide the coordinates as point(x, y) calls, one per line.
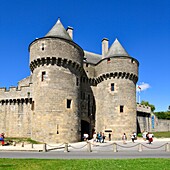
point(61, 62)
point(143, 108)
point(117, 75)
point(16, 92)
point(16, 101)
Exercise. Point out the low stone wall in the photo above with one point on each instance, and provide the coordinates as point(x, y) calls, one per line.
point(159, 125)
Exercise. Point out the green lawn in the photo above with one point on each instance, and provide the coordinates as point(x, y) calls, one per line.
point(159, 134)
point(162, 134)
point(85, 164)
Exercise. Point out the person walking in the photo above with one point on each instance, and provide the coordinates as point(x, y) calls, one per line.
point(2, 136)
point(103, 137)
point(124, 138)
point(109, 136)
point(133, 137)
point(150, 137)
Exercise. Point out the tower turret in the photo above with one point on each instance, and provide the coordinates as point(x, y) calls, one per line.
point(117, 75)
point(55, 62)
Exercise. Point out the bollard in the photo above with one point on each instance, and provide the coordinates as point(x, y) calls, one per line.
point(44, 147)
point(115, 147)
point(89, 147)
point(140, 147)
point(167, 147)
point(66, 147)
point(14, 143)
point(32, 145)
point(22, 144)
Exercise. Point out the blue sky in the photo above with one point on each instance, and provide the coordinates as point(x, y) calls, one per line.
point(141, 26)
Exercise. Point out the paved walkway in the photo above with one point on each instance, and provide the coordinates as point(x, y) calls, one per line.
point(158, 144)
point(80, 150)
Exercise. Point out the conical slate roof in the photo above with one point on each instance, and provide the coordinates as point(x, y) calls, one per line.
point(116, 49)
point(58, 31)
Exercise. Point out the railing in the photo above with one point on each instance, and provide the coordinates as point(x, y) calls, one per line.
point(90, 147)
point(114, 145)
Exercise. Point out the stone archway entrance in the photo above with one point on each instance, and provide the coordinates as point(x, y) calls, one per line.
point(85, 128)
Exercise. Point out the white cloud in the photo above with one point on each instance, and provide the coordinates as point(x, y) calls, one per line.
point(143, 86)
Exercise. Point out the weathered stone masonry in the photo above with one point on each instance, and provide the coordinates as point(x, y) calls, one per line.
point(71, 91)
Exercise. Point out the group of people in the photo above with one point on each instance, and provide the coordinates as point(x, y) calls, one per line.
point(2, 136)
point(99, 137)
point(133, 137)
point(147, 136)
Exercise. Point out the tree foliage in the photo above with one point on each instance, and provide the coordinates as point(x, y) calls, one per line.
point(163, 115)
point(169, 108)
point(146, 103)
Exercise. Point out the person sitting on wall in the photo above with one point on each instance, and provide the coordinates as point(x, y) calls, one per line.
point(2, 136)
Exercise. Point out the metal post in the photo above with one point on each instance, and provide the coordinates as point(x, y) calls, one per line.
point(89, 146)
point(115, 147)
point(32, 145)
point(66, 147)
point(167, 147)
point(44, 147)
point(22, 144)
point(140, 147)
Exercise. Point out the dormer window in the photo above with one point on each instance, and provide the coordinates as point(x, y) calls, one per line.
point(42, 47)
point(132, 61)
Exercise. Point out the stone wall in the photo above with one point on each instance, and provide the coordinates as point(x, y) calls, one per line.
point(159, 125)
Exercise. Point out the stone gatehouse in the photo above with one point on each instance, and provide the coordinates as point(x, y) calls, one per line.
point(71, 91)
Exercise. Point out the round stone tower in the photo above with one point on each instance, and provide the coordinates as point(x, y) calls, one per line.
point(117, 75)
point(55, 63)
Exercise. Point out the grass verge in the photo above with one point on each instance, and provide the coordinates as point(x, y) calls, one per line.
point(84, 164)
point(19, 140)
point(159, 134)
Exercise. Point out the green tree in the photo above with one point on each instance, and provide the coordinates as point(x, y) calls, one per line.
point(163, 115)
point(146, 103)
point(169, 108)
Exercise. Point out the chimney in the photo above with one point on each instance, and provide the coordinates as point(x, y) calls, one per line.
point(105, 46)
point(70, 31)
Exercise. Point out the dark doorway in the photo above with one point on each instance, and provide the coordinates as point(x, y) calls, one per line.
point(85, 128)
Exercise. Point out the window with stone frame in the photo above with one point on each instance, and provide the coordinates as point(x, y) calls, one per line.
point(42, 47)
point(112, 88)
point(32, 105)
point(121, 108)
point(69, 101)
point(43, 75)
